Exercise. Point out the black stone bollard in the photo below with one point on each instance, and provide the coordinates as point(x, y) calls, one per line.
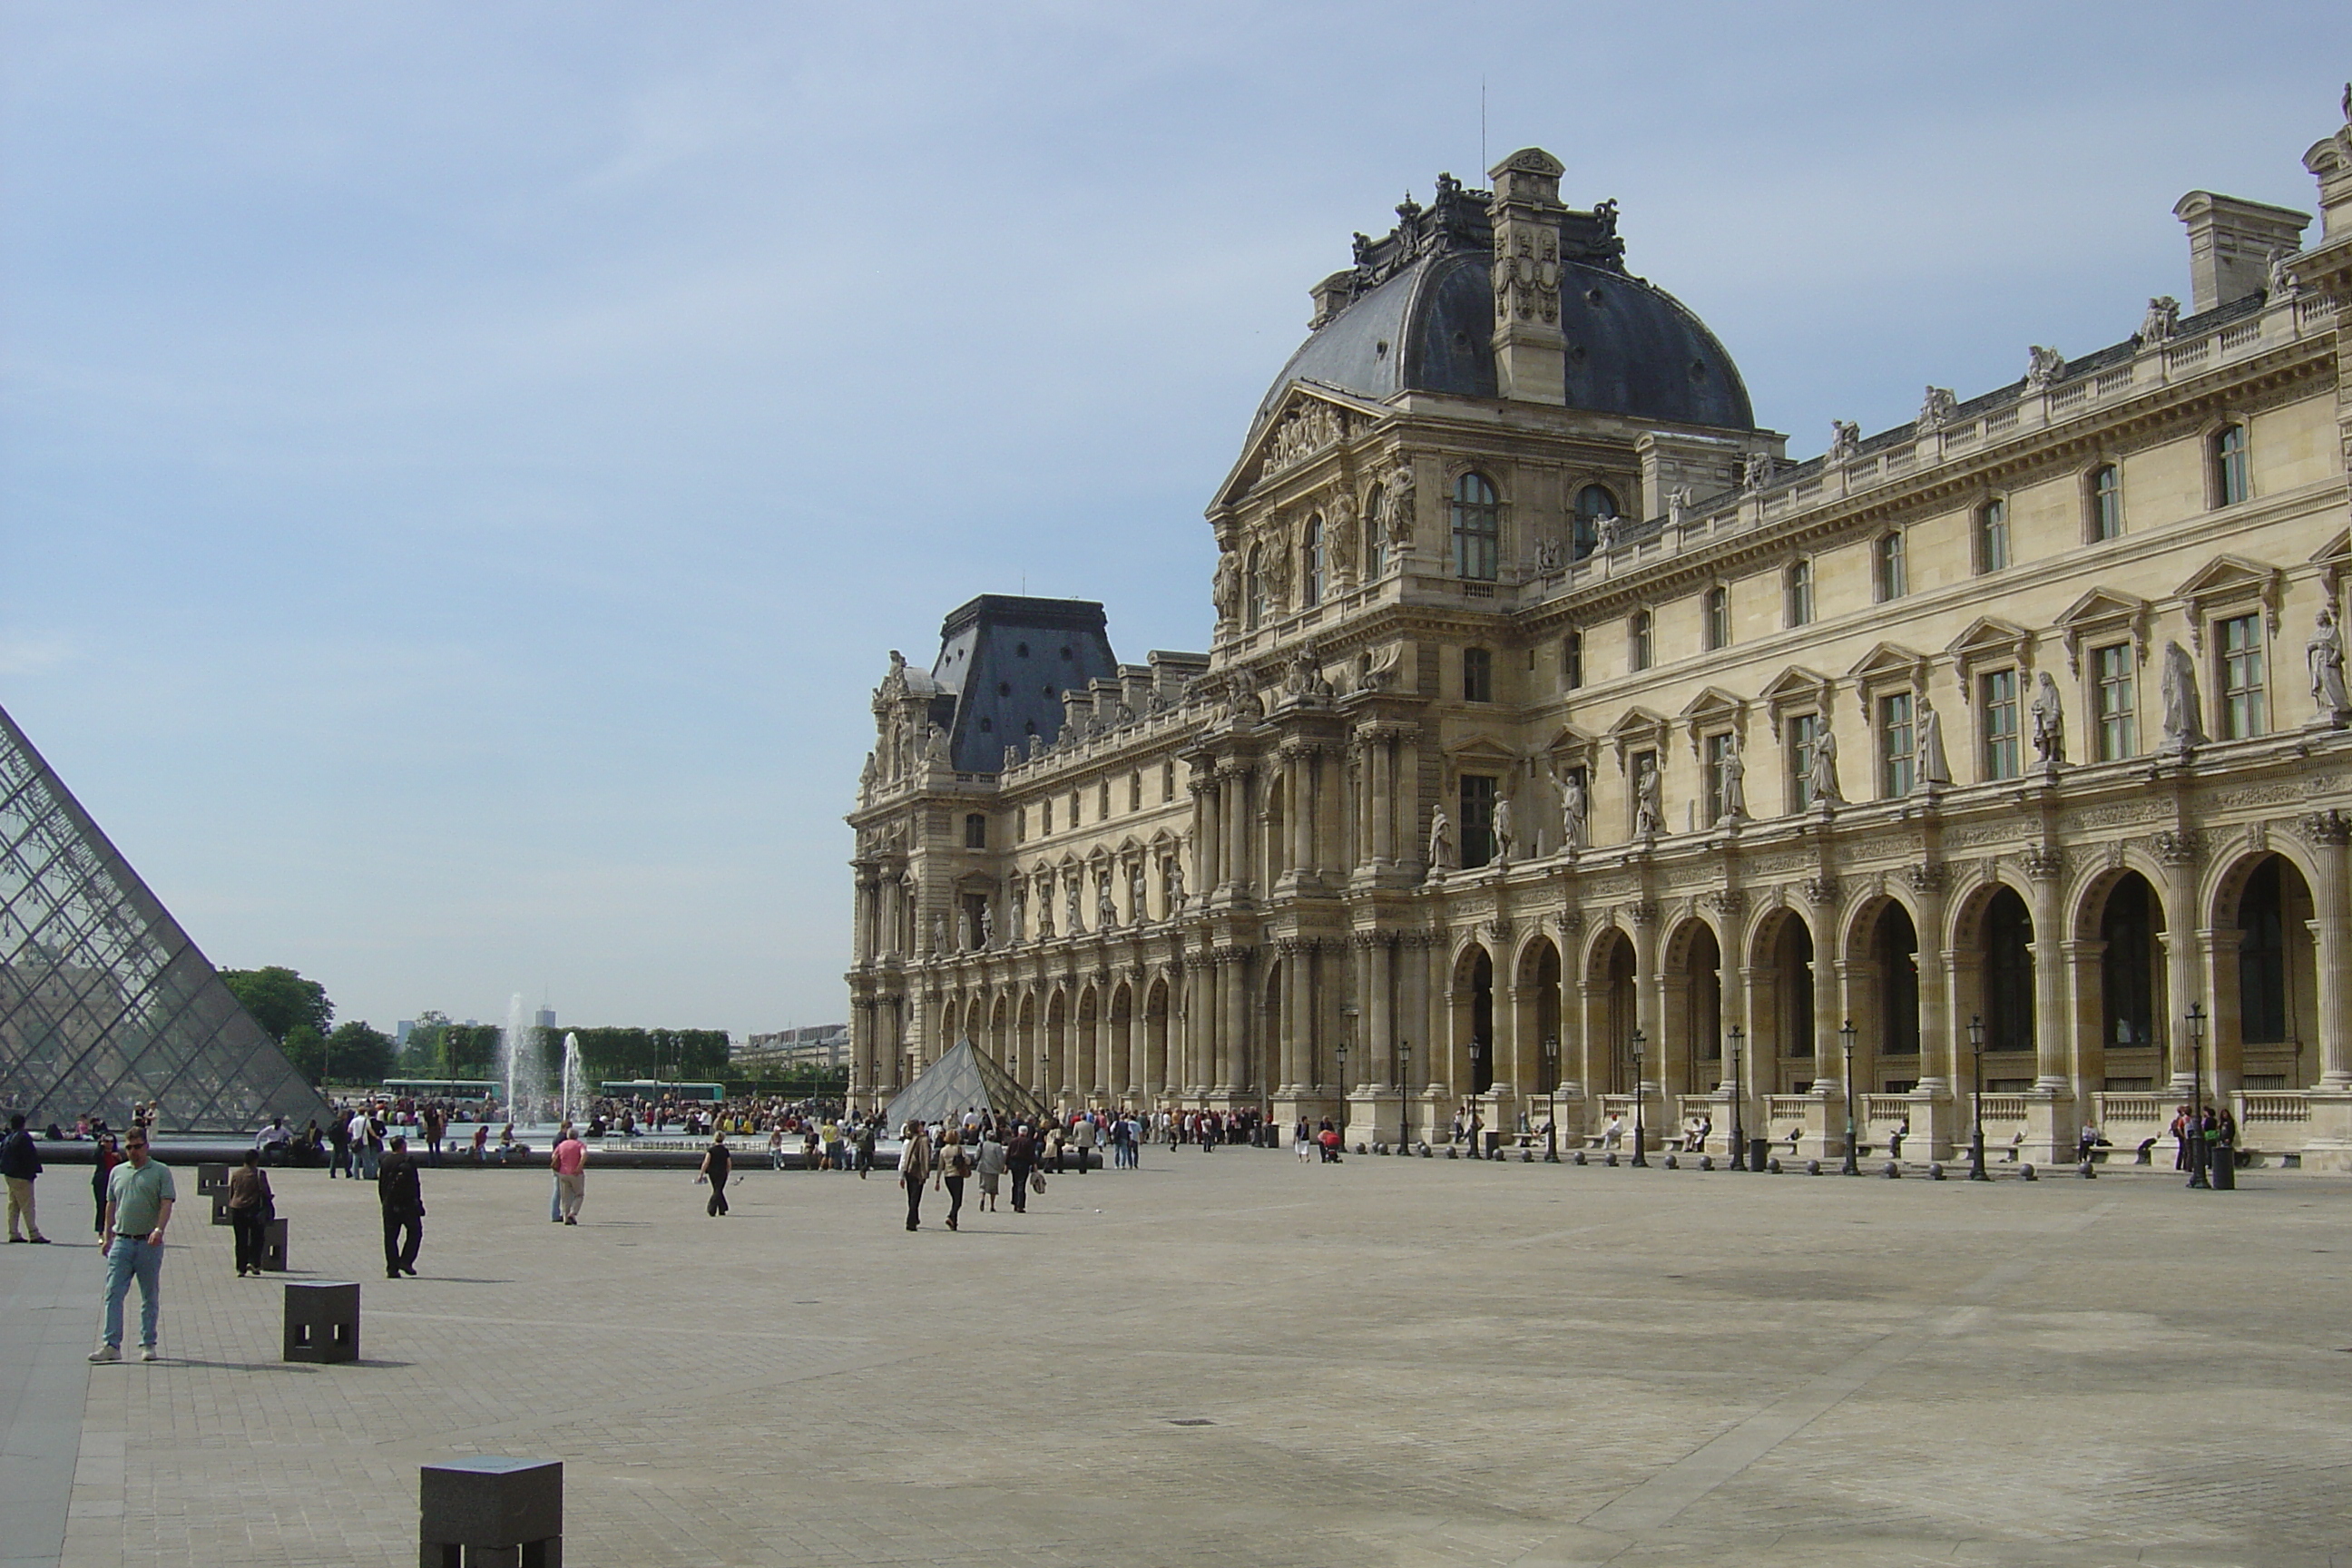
point(322, 1321)
point(1610, 1159)
point(1935, 1170)
point(1892, 1171)
point(1576, 1157)
point(488, 1511)
point(2090, 1171)
point(1706, 1161)
point(1773, 1164)
point(1813, 1167)
point(2028, 1173)
point(1670, 1163)
point(273, 1247)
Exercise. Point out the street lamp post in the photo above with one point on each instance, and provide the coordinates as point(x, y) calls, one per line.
point(1343, 1091)
point(1852, 1167)
point(1404, 1094)
point(1551, 1100)
point(1639, 1156)
point(1738, 1138)
point(1976, 1135)
point(2195, 1130)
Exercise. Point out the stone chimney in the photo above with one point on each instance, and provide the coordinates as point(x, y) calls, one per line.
point(2330, 162)
point(2230, 241)
point(1530, 355)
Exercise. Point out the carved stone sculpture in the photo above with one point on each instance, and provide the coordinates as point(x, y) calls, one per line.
point(939, 934)
point(2163, 318)
point(1138, 904)
point(1845, 440)
point(1401, 505)
point(1648, 804)
point(1440, 840)
point(1505, 834)
point(1572, 808)
point(1175, 883)
point(1732, 779)
point(935, 745)
point(1070, 908)
point(1934, 770)
point(2184, 710)
point(2324, 656)
point(1756, 471)
point(1019, 922)
point(1226, 588)
point(1106, 907)
point(987, 928)
point(2283, 282)
point(1821, 778)
point(1678, 501)
point(2049, 724)
point(2043, 367)
point(1936, 410)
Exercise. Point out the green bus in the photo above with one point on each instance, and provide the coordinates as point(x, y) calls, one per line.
point(654, 1089)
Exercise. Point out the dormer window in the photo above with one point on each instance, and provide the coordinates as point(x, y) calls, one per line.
point(1477, 529)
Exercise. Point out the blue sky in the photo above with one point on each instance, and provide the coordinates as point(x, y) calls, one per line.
point(463, 467)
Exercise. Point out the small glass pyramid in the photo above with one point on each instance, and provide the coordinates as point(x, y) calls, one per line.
point(103, 999)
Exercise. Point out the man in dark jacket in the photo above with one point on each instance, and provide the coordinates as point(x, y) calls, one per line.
point(403, 1201)
point(1020, 1158)
point(20, 1162)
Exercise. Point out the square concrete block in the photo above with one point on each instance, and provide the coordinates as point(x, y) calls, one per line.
point(490, 1510)
point(273, 1247)
point(220, 1206)
point(212, 1179)
point(322, 1321)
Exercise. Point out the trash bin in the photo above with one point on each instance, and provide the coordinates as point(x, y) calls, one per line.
point(1759, 1151)
point(2223, 1161)
point(1494, 1142)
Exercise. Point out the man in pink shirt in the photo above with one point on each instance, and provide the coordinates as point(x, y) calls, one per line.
point(570, 1177)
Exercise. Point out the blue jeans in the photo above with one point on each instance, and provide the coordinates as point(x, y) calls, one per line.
point(129, 1258)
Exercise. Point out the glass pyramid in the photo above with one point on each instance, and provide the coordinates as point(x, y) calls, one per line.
point(103, 999)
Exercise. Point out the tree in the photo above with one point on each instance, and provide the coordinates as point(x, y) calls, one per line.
point(280, 1000)
point(355, 1053)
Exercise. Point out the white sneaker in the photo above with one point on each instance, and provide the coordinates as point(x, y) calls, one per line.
point(147, 1353)
point(106, 1353)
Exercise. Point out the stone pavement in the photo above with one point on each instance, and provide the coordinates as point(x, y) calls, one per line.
point(1241, 1359)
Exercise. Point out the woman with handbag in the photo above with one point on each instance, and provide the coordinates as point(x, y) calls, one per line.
point(954, 1166)
point(251, 1206)
point(914, 1169)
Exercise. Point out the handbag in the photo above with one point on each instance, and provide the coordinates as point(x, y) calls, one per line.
point(1037, 1180)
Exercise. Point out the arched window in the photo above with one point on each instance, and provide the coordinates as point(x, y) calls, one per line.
point(1888, 574)
point(1638, 649)
point(1477, 529)
point(2107, 502)
point(1310, 565)
point(1992, 535)
point(2009, 973)
point(1718, 618)
point(1797, 595)
point(2231, 481)
point(1376, 536)
point(1594, 503)
point(1257, 587)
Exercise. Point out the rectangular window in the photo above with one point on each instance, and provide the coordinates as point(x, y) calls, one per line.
point(1895, 747)
point(1802, 730)
point(1135, 791)
point(1078, 804)
point(1718, 618)
point(1798, 595)
point(1102, 802)
point(975, 831)
point(1478, 818)
point(2242, 713)
point(1889, 573)
point(1477, 675)
point(1167, 783)
point(1637, 633)
point(2117, 700)
point(1992, 535)
point(2232, 483)
point(1021, 826)
point(2106, 503)
point(1997, 722)
point(1713, 750)
point(1571, 660)
point(1044, 819)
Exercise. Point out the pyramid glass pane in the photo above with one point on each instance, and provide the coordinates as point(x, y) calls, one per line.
point(103, 999)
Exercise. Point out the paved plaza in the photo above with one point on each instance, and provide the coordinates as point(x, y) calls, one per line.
point(1240, 1359)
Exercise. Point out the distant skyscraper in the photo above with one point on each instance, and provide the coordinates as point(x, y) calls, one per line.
point(544, 1018)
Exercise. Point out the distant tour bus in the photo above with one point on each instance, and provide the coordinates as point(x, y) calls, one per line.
point(441, 1088)
point(653, 1088)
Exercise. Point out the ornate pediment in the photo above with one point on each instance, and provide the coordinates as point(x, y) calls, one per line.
point(1797, 688)
point(1311, 420)
point(2229, 581)
point(2102, 614)
point(1890, 664)
point(2332, 559)
point(1638, 728)
point(1988, 640)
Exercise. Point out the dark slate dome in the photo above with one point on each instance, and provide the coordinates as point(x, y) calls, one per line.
point(1417, 313)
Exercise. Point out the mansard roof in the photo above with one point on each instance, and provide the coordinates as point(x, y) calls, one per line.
point(1416, 313)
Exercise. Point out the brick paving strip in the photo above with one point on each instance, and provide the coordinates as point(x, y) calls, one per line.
point(1241, 1359)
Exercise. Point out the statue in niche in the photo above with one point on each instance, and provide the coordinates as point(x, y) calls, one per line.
point(1339, 535)
point(1440, 840)
point(1506, 835)
point(1934, 770)
point(2184, 710)
point(1572, 808)
point(1400, 507)
point(1175, 882)
point(2163, 318)
point(1226, 588)
point(965, 936)
point(1138, 901)
point(2049, 724)
point(1845, 440)
point(1018, 925)
point(1649, 803)
point(1821, 778)
point(2324, 656)
point(1070, 908)
point(1045, 911)
point(1731, 779)
point(1106, 907)
point(939, 934)
point(987, 928)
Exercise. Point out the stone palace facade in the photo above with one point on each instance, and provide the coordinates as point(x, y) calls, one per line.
point(1562, 740)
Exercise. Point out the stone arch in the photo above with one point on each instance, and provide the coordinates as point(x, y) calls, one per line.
point(1087, 1046)
point(1055, 1050)
point(1881, 944)
point(1611, 995)
point(1472, 999)
point(2266, 1025)
point(1993, 971)
point(1024, 1064)
point(1689, 1048)
point(1155, 1036)
point(1536, 1000)
point(1783, 1008)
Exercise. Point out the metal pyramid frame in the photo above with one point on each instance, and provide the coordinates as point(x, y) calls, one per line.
point(103, 999)
point(966, 1078)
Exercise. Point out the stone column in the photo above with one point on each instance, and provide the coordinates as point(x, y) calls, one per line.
point(2225, 1039)
point(2086, 983)
point(1299, 1071)
point(2050, 1124)
point(2183, 980)
point(1233, 977)
point(2330, 832)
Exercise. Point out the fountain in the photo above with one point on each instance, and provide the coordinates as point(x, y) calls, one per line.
point(519, 1061)
point(576, 1079)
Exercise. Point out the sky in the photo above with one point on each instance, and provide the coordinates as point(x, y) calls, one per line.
point(463, 467)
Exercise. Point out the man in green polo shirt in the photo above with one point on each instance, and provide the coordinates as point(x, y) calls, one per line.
point(138, 1198)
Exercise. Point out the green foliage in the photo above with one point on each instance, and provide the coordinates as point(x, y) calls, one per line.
point(354, 1053)
point(696, 1055)
point(795, 1083)
point(280, 1000)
